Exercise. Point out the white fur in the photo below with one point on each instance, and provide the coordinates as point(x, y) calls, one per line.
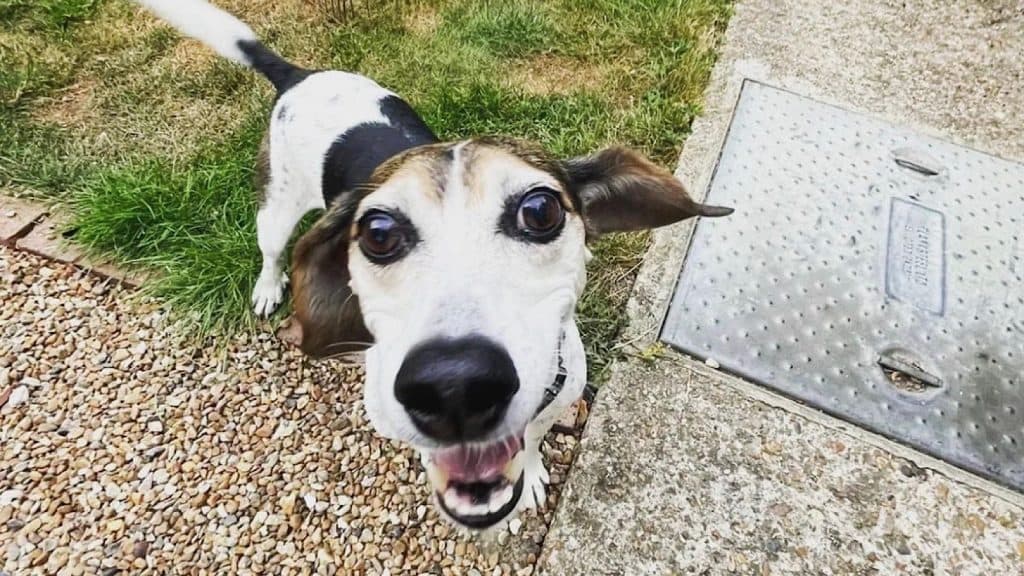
point(323, 107)
point(464, 277)
point(206, 23)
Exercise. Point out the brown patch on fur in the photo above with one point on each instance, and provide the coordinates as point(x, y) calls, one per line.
point(72, 106)
point(529, 153)
point(290, 332)
point(331, 322)
point(623, 191)
point(552, 74)
point(481, 157)
point(430, 162)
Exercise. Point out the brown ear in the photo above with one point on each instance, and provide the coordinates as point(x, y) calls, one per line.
point(622, 191)
point(328, 313)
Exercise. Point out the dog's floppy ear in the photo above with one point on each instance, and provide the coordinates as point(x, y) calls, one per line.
point(330, 321)
point(622, 191)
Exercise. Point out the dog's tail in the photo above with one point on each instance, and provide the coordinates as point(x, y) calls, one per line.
point(228, 36)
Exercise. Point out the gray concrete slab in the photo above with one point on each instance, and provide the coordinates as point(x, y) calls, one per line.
point(693, 477)
point(16, 216)
point(686, 470)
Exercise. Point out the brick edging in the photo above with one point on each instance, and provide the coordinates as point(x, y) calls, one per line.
point(33, 227)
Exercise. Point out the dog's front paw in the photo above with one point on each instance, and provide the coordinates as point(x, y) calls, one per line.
point(535, 481)
point(267, 294)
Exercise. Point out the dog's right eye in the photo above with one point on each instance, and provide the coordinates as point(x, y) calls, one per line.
point(382, 238)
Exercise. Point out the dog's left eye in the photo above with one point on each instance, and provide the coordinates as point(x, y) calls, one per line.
point(382, 238)
point(540, 215)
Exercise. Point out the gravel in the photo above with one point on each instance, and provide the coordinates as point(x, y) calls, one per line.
point(128, 448)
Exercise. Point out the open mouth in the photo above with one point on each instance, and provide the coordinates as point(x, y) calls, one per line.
point(478, 485)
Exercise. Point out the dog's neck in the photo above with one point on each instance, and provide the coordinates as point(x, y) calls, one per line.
point(553, 389)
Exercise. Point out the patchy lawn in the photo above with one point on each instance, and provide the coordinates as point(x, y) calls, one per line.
point(149, 139)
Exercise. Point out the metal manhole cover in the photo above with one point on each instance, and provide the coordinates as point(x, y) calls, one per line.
point(871, 271)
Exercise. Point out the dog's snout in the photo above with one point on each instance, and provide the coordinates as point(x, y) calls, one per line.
point(456, 390)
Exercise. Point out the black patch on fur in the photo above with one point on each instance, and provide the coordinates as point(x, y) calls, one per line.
point(354, 155)
point(281, 73)
point(282, 112)
point(402, 116)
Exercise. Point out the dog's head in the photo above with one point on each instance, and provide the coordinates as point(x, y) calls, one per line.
point(463, 263)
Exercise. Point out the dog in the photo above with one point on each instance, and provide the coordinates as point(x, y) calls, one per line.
point(455, 266)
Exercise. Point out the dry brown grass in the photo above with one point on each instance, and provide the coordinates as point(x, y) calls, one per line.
point(422, 20)
point(553, 74)
point(190, 57)
point(70, 107)
point(135, 96)
point(150, 118)
point(22, 50)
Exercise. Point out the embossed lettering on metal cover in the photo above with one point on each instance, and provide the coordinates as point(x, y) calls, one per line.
point(869, 270)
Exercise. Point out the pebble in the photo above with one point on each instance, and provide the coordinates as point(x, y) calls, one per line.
point(18, 397)
point(183, 455)
point(10, 496)
point(288, 504)
point(57, 560)
point(712, 363)
point(140, 548)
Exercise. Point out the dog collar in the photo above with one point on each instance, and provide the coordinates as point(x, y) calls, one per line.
point(553, 389)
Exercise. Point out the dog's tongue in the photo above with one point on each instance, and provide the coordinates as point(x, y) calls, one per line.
point(468, 463)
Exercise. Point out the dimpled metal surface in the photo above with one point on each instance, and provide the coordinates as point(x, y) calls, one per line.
point(855, 244)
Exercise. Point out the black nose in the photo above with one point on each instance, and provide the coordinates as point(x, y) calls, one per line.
point(456, 390)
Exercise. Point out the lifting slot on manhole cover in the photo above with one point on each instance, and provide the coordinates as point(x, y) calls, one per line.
point(906, 374)
point(913, 159)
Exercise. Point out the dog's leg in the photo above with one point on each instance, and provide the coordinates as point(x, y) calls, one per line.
point(535, 475)
point(274, 225)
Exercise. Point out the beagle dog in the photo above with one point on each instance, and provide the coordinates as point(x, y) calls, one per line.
point(456, 266)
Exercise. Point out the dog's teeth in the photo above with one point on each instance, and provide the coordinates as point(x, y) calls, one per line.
point(451, 500)
point(500, 498)
point(461, 507)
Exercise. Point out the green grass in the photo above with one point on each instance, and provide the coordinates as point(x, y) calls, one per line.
point(23, 72)
point(150, 141)
point(46, 15)
point(192, 223)
point(502, 29)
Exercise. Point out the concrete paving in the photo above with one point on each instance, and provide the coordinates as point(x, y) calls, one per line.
point(684, 469)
